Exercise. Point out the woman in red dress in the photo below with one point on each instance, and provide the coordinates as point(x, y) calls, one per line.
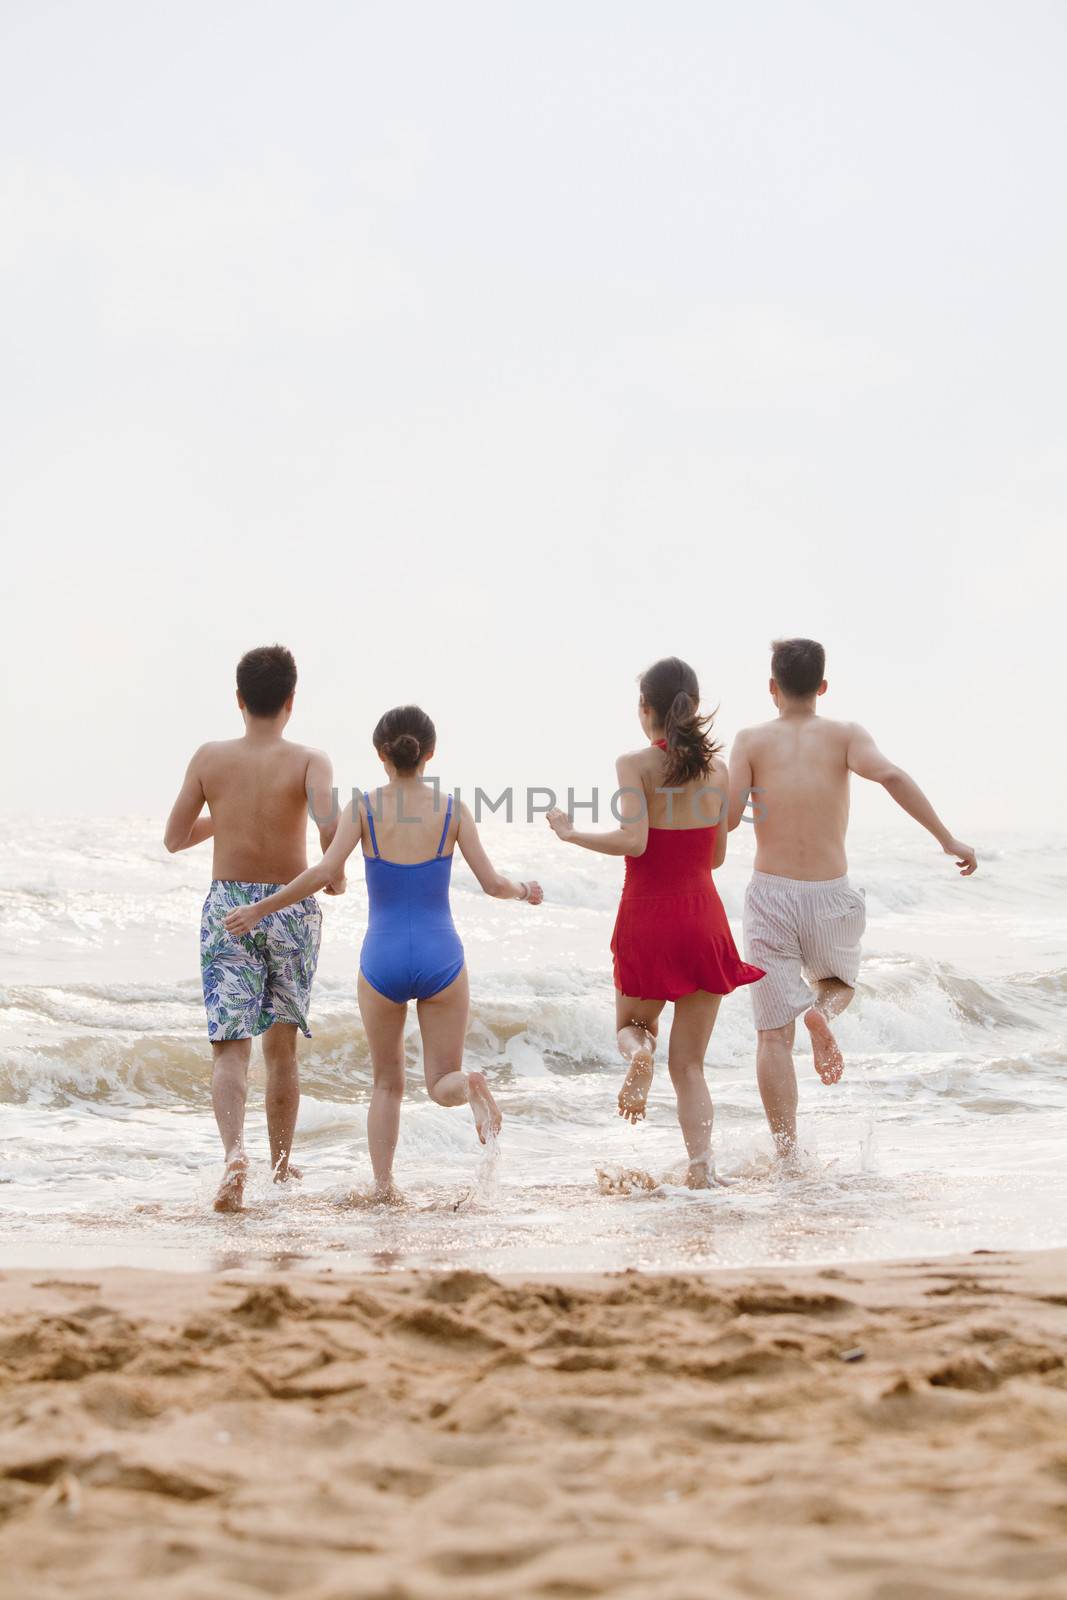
point(672, 940)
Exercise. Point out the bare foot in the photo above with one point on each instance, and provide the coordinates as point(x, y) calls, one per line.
point(285, 1170)
point(633, 1096)
point(486, 1112)
point(829, 1062)
point(624, 1180)
point(377, 1194)
point(701, 1174)
point(231, 1190)
point(787, 1150)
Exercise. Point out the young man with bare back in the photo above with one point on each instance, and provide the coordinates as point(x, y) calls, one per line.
point(803, 919)
point(257, 790)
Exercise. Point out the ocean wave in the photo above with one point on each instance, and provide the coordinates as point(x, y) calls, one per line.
point(148, 1061)
point(144, 1044)
point(86, 876)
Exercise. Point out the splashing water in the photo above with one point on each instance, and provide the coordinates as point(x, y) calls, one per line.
point(943, 1135)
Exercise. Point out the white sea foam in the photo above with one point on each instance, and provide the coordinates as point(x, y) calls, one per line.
point(945, 1133)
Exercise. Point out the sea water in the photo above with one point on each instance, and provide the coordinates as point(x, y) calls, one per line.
point(945, 1134)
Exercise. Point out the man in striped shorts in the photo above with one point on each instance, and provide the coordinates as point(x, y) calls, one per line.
point(803, 919)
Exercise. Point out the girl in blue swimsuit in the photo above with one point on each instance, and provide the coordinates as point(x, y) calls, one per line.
point(411, 950)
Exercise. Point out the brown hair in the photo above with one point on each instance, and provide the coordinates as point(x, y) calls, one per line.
point(404, 736)
point(798, 666)
point(266, 677)
point(671, 692)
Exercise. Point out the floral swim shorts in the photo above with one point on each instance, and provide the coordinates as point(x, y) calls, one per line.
point(265, 977)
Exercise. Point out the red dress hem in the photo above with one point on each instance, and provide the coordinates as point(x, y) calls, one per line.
point(671, 935)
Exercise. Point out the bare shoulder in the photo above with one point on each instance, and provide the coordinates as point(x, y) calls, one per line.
point(218, 765)
point(644, 758)
point(719, 769)
point(308, 754)
point(748, 738)
point(839, 732)
point(743, 741)
point(213, 751)
point(832, 743)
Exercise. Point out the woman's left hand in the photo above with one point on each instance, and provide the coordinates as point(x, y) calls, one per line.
point(562, 825)
point(241, 920)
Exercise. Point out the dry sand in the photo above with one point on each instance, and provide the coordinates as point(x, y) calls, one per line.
point(328, 1438)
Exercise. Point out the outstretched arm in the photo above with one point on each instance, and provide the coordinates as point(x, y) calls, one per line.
point(493, 882)
point(330, 869)
point(630, 838)
point(185, 826)
point(867, 761)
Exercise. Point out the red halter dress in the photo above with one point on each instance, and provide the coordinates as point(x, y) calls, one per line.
point(671, 935)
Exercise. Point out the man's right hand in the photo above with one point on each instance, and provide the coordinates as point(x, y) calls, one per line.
point(966, 859)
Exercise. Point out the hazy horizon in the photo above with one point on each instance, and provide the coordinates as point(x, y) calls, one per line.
point(483, 355)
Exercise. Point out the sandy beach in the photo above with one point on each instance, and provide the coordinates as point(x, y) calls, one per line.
point(890, 1432)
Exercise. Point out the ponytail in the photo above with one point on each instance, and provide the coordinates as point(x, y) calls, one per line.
point(671, 691)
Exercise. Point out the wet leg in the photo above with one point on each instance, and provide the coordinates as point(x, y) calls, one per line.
point(694, 1019)
point(832, 997)
point(383, 1023)
point(282, 1096)
point(637, 1027)
point(443, 1021)
point(777, 1080)
point(229, 1092)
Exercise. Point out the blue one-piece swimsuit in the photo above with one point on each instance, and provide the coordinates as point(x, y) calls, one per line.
point(411, 949)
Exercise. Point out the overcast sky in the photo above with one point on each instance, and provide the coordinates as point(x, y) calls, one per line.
point(484, 352)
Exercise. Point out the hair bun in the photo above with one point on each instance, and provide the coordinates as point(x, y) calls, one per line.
point(405, 735)
point(404, 750)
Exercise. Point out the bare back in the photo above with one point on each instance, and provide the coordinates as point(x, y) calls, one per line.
point(691, 805)
point(799, 766)
point(257, 793)
point(409, 821)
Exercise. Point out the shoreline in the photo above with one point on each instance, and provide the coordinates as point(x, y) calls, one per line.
point(76, 1262)
point(890, 1430)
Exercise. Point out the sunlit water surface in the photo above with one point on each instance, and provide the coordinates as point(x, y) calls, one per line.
point(945, 1135)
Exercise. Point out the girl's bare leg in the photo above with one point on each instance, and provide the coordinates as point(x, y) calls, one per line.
point(383, 1023)
point(637, 1025)
point(694, 1019)
point(443, 1021)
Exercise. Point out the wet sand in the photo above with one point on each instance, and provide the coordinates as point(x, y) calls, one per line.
point(888, 1432)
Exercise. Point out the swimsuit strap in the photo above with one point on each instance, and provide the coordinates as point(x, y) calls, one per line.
point(660, 744)
point(370, 822)
point(444, 830)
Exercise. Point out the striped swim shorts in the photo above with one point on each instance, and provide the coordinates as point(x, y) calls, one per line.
point(799, 931)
